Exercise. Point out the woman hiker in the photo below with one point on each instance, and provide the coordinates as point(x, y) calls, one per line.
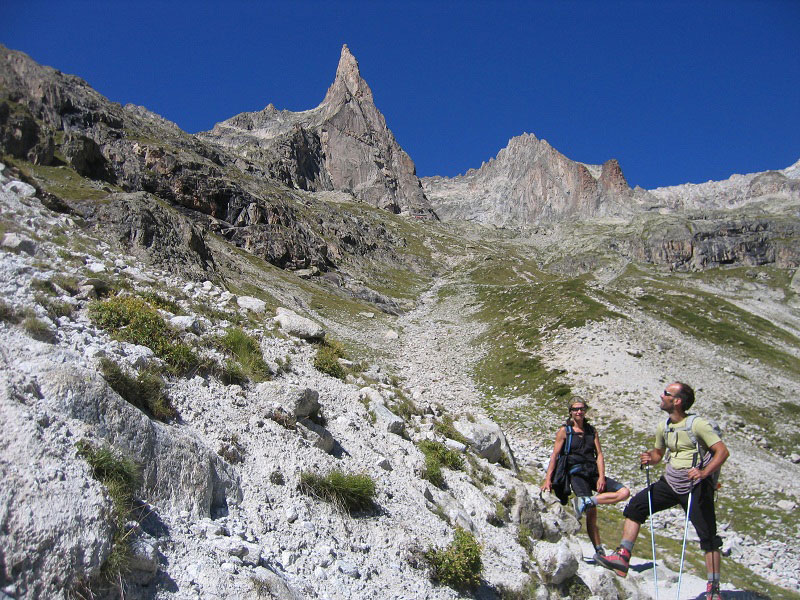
point(586, 469)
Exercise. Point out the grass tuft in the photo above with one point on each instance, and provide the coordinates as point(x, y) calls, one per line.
point(145, 391)
point(346, 491)
point(246, 360)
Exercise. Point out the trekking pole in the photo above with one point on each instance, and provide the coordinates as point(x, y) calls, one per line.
point(652, 531)
point(685, 532)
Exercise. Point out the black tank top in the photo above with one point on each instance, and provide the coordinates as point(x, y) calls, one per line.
point(582, 450)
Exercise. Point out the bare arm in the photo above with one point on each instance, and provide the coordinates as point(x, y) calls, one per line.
point(720, 455)
point(561, 437)
point(601, 465)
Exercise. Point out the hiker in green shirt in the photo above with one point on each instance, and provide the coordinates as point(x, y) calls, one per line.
point(689, 472)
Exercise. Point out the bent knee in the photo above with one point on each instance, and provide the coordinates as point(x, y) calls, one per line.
point(624, 494)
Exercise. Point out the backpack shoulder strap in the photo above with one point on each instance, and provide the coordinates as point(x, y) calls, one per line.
point(566, 448)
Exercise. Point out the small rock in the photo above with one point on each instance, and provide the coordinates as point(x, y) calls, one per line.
point(19, 243)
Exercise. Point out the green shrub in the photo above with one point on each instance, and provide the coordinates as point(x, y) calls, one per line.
point(247, 362)
point(145, 392)
point(459, 565)
point(404, 407)
point(432, 471)
point(327, 361)
point(38, 330)
point(479, 474)
point(119, 474)
point(437, 455)
point(133, 320)
point(349, 492)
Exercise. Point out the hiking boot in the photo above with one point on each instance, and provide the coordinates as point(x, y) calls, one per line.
point(616, 561)
point(712, 591)
point(581, 505)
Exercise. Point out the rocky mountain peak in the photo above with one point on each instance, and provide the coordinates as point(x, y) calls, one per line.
point(348, 81)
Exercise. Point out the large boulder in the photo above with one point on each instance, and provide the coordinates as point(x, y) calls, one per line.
point(295, 325)
point(487, 439)
point(179, 472)
point(555, 563)
point(45, 551)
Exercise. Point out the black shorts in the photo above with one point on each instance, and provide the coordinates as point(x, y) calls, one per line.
point(702, 516)
point(584, 486)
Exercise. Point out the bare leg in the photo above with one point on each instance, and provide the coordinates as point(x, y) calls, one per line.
point(613, 497)
point(713, 561)
point(591, 526)
point(630, 530)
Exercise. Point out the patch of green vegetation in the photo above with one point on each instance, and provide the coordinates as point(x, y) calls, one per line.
point(44, 286)
point(145, 391)
point(121, 477)
point(516, 315)
point(54, 308)
point(479, 474)
point(327, 359)
point(709, 317)
point(66, 282)
point(781, 434)
point(133, 320)
point(437, 455)
point(159, 301)
point(403, 406)
point(445, 428)
point(63, 181)
point(350, 492)
point(247, 361)
point(459, 565)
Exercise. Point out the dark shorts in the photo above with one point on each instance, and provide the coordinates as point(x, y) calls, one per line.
point(702, 514)
point(583, 486)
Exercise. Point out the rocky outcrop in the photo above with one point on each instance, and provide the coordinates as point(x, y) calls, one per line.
point(343, 144)
point(49, 118)
point(712, 240)
point(530, 182)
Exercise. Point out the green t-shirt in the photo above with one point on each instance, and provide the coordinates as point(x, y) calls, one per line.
point(680, 444)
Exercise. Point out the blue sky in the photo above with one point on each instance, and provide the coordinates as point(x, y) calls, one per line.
point(676, 91)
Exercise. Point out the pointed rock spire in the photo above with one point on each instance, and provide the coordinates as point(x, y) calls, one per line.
point(348, 81)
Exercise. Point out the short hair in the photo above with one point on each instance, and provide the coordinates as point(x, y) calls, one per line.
point(686, 394)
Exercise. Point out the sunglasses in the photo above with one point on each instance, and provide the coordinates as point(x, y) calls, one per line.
point(666, 393)
point(578, 408)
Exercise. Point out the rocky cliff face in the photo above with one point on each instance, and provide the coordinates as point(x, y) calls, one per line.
point(530, 182)
point(343, 144)
point(54, 120)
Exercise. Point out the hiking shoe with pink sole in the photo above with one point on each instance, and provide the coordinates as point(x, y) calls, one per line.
point(712, 591)
point(616, 561)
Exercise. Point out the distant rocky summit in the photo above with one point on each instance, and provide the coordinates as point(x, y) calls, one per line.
point(343, 144)
point(530, 182)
